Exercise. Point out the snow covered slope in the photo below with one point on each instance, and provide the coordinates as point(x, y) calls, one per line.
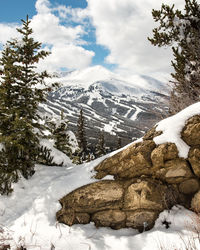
point(119, 106)
point(27, 218)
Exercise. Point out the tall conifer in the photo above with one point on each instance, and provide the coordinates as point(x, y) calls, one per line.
point(20, 96)
point(181, 30)
point(100, 147)
point(81, 138)
point(119, 142)
point(61, 137)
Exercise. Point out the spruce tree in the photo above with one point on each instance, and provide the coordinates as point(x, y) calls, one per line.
point(181, 31)
point(61, 137)
point(81, 154)
point(20, 96)
point(100, 147)
point(119, 143)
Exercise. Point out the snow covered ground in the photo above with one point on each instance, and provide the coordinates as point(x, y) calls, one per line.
point(27, 216)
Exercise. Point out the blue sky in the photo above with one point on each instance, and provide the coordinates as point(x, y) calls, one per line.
point(83, 33)
point(15, 10)
point(21, 8)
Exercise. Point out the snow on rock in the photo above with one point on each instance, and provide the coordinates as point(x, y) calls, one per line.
point(172, 127)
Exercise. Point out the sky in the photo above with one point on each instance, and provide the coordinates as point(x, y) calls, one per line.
point(84, 33)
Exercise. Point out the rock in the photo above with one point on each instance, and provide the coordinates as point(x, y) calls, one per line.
point(142, 220)
point(129, 163)
point(96, 196)
point(66, 216)
point(194, 159)
point(191, 132)
point(70, 217)
point(82, 218)
point(195, 204)
point(174, 171)
point(162, 153)
point(189, 186)
point(151, 134)
point(110, 218)
point(148, 179)
point(145, 194)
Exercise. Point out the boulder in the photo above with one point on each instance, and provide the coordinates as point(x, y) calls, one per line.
point(70, 217)
point(115, 219)
point(162, 153)
point(194, 159)
point(142, 219)
point(195, 204)
point(129, 163)
point(145, 194)
point(174, 171)
point(92, 197)
point(151, 134)
point(148, 178)
point(189, 186)
point(110, 203)
point(191, 132)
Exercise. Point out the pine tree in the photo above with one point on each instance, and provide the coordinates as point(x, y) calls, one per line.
point(100, 147)
point(81, 154)
point(20, 127)
point(119, 143)
point(44, 157)
point(181, 31)
point(61, 137)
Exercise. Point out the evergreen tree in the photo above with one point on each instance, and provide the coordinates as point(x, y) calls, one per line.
point(181, 31)
point(119, 143)
point(100, 147)
point(44, 157)
point(81, 154)
point(61, 137)
point(20, 127)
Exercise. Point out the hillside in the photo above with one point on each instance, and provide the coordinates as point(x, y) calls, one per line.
point(119, 107)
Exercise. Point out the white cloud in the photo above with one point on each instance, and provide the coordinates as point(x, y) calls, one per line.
point(76, 15)
point(47, 29)
point(71, 57)
point(63, 40)
point(42, 6)
point(122, 26)
point(7, 31)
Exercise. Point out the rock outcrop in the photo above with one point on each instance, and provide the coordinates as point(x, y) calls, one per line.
point(148, 178)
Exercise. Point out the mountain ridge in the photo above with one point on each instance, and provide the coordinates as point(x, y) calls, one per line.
point(112, 105)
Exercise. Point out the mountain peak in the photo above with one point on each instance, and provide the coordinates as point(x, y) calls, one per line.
point(110, 80)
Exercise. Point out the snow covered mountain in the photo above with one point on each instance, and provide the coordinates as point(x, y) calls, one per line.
point(121, 107)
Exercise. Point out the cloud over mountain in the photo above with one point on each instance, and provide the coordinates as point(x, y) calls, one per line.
point(119, 26)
